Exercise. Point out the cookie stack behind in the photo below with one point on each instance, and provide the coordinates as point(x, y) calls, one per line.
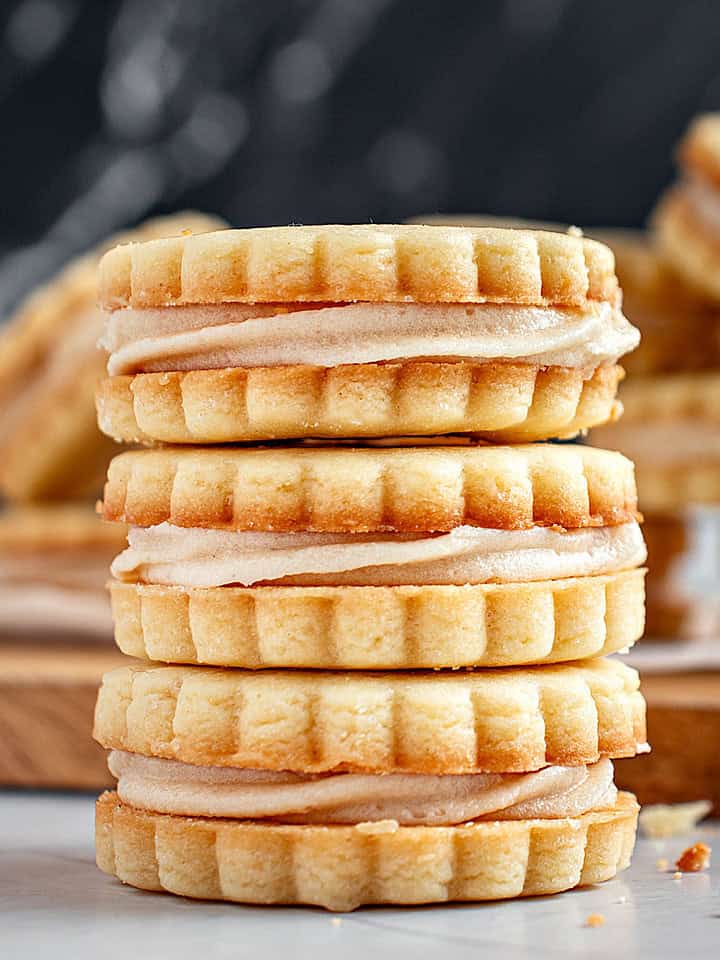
point(53, 458)
point(671, 426)
point(299, 731)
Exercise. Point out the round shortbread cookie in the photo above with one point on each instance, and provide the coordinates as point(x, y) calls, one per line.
point(371, 489)
point(503, 402)
point(688, 244)
point(496, 721)
point(368, 262)
point(370, 628)
point(344, 867)
point(49, 369)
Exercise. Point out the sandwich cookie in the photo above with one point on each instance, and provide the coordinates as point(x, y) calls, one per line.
point(687, 219)
point(53, 571)
point(340, 790)
point(50, 447)
point(376, 558)
point(360, 331)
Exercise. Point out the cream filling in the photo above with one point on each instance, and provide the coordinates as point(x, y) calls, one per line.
point(223, 335)
point(171, 555)
point(168, 786)
point(664, 443)
point(704, 201)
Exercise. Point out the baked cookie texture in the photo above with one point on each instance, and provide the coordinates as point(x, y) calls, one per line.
point(501, 402)
point(371, 489)
point(336, 264)
point(501, 399)
point(353, 679)
point(518, 719)
point(343, 867)
point(49, 368)
point(380, 628)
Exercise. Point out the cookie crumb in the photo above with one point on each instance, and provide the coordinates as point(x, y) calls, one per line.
point(595, 920)
point(677, 875)
point(377, 827)
point(694, 859)
point(622, 899)
point(672, 819)
point(662, 864)
point(336, 921)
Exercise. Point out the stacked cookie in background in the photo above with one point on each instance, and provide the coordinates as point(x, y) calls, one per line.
point(297, 729)
point(671, 426)
point(53, 458)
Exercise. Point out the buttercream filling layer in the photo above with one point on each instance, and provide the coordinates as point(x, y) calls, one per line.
point(168, 786)
point(165, 554)
point(216, 336)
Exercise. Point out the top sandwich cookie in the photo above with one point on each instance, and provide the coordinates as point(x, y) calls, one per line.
point(687, 219)
point(50, 447)
point(351, 331)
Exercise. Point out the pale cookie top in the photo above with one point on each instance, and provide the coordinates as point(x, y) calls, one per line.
point(699, 151)
point(368, 262)
point(42, 319)
point(371, 489)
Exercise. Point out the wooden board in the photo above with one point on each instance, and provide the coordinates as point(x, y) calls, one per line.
point(47, 698)
point(684, 732)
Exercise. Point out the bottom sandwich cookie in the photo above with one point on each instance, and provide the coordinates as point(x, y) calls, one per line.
point(343, 866)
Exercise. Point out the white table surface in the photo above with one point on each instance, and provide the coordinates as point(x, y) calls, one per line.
point(55, 903)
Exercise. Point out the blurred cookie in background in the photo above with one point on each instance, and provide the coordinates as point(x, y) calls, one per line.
point(678, 327)
point(54, 562)
point(687, 218)
point(50, 446)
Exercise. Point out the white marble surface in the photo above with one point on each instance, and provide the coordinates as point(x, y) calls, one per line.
point(54, 903)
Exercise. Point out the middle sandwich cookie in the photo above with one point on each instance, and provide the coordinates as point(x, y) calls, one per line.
point(376, 558)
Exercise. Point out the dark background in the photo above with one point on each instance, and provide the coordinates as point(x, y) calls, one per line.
point(277, 111)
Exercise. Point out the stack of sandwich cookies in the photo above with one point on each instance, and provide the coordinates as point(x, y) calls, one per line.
point(249, 335)
point(371, 771)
